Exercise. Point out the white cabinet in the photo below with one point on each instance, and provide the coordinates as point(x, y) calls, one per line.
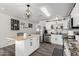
point(26, 47)
point(36, 43)
point(19, 48)
point(48, 25)
point(57, 39)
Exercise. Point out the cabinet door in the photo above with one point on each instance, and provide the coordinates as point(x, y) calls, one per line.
point(38, 42)
point(28, 46)
point(53, 39)
point(35, 43)
point(31, 45)
point(59, 40)
point(56, 39)
point(19, 48)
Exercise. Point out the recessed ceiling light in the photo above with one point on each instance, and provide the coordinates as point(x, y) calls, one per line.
point(44, 10)
point(2, 8)
point(56, 18)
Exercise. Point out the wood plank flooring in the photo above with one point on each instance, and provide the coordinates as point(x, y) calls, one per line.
point(7, 51)
point(46, 49)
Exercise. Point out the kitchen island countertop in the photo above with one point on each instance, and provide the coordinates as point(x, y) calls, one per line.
point(19, 38)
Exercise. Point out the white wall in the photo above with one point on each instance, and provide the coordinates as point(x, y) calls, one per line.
point(75, 15)
point(7, 36)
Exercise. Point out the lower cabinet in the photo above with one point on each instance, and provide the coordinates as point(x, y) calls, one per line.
point(27, 47)
point(36, 43)
point(19, 48)
point(57, 39)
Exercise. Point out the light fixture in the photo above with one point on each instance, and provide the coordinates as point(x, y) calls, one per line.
point(56, 18)
point(44, 10)
point(28, 12)
point(2, 8)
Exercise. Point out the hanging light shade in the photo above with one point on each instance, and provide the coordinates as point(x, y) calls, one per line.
point(28, 12)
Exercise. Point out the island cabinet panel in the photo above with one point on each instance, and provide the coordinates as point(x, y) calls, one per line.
point(19, 48)
point(27, 46)
point(57, 39)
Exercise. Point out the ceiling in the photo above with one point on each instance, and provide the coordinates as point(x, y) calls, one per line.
point(19, 9)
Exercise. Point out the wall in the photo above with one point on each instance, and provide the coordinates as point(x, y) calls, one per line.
point(7, 36)
point(64, 23)
point(75, 15)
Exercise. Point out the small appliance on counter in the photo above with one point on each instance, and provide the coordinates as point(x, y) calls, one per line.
point(71, 35)
point(77, 37)
point(20, 34)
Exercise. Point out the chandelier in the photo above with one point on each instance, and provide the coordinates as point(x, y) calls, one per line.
point(28, 12)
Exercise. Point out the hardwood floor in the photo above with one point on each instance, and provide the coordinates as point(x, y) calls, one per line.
point(46, 49)
point(8, 51)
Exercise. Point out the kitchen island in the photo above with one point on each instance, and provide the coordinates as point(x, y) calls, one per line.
point(25, 45)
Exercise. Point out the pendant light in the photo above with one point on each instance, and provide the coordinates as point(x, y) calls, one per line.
point(28, 12)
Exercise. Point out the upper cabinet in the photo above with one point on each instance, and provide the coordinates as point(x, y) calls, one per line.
point(75, 15)
point(50, 25)
point(63, 24)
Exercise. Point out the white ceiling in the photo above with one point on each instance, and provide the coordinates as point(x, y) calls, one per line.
point(18, 10)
